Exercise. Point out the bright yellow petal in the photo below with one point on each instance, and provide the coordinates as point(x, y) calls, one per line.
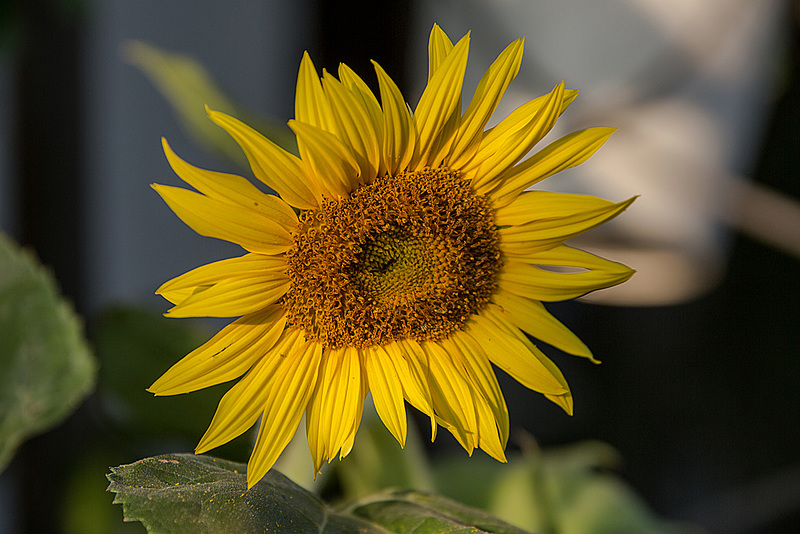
point(563, 217)
point(399, 135)
point(386, 385)
point(487, 96)
point(365, 96)
point(501, 149)
point(311, 105)
point(569, 151)
point(355, 127)
point(226, 356)
point(532, 317)
point(529, 281)
point(335, 405)
point(493, 316)
point(524, 362)
point(440, 100)
point(490, 439)
point(482, 376)
point(412, 363)
point(439, 45)
point(350, 435)
point(327, 158)
point(212, 218)
point(549, 208)
point(232, 189)
point(286, 400)
point(240, 407)
point(181, 287)
point(518, 119)
point(453, 397)
point(233, 297)
point(271, 164)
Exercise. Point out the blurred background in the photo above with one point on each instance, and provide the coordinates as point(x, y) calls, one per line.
point(699, 390)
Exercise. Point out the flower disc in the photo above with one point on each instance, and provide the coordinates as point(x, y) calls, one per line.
point(412, 255)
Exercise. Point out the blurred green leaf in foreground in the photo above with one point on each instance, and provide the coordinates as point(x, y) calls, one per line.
point(46, 367)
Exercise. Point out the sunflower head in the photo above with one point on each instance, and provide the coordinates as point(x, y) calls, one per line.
point(402, 256)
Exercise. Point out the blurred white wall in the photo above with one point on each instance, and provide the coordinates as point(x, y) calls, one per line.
point(688, 85)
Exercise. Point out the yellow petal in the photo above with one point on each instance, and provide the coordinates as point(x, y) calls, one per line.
point(181, 287)
point(524, 362)
point(232, 189)
point(212, 218)
point(569, 151)
point(453, 398)
point(386, 385)
point(365, 96)
point(412, 363)
point(563, 217)
point(482, 376)
point(335, 405)
point(226, 356)
point(240, 407)
point(529, 281)
point(327, 159)
point(286, 400)
point(549, 207)
point(502, 147)
point(399, 135)
point(487, 96)
point(311, 105)
point(564, 398)
point(232, 297)
point(522, 116)
point(440, 100)
point(271, 164)
point(355, 127)
point(490, 439)
point(532, 317)
point(564, 401)
point(439, 45)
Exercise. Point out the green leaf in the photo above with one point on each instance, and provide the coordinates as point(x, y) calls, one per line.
point(569, 490)
point(183, 493)
point(411, 512)
point(46, 367)
point(188, 88)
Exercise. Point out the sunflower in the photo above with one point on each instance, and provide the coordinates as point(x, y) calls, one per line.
point(402, 257)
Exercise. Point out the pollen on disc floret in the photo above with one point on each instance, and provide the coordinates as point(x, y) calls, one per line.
point(407, 256)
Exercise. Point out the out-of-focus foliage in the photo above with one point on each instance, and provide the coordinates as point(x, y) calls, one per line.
point(188, 88)
point(567, 490)
point(46, 367)
point(175, 494)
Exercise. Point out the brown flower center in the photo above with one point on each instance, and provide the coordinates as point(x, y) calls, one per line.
point(412, 255)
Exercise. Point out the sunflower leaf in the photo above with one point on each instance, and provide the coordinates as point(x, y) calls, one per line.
point(46, 367)
point(181, 493)
point(411, 512)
